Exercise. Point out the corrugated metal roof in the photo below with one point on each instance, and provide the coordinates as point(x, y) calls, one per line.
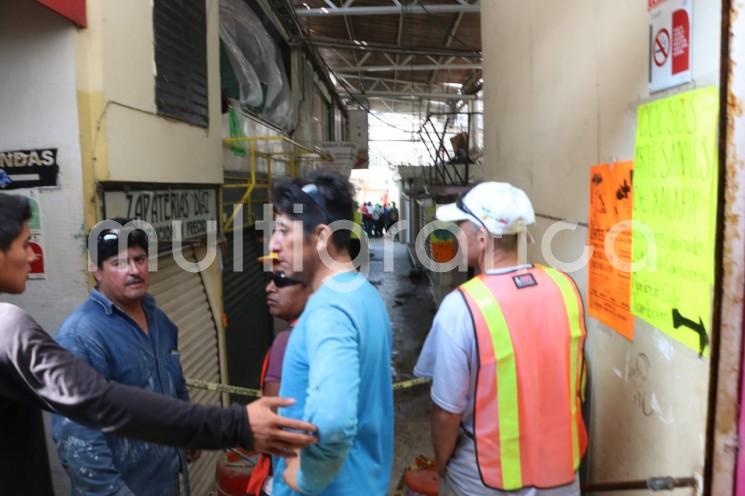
point(419, 30)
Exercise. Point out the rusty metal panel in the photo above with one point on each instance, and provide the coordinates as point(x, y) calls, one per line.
point(723, 431)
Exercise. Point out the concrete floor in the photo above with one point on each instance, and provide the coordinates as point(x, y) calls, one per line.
point(411, 308)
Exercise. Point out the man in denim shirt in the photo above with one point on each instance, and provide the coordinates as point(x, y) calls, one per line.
point(122, 334)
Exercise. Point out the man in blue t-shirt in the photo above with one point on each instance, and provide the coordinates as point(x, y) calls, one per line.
point(338, 358)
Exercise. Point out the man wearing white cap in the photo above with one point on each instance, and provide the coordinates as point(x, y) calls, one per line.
point(505, 354)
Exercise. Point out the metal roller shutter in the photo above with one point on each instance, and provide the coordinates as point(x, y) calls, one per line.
point(249, 332)
point(180, 43)
point(183, 297)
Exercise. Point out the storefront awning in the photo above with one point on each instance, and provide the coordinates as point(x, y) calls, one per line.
point(73, 10)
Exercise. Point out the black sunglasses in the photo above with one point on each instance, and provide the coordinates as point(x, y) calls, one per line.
point(462, 206)
point(282, 281)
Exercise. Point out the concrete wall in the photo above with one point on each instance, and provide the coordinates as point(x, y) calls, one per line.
point(311, 126)
point(39, 111)
point(562, 83)
point(141, 145)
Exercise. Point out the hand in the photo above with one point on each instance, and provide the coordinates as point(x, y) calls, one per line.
point(266, 428)
point(291, 470)
point(192, 455)
point(437, 466)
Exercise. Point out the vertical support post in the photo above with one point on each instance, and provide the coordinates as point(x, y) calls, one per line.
point(721, 469)
point(252, 160)
point(296, 86)
point(269, 176)
point(467, 179)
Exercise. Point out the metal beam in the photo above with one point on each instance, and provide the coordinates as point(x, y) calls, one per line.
point(409, 86)
point(399, 39)
point(390, 10)
point(449, 40)
point(380, 47)
point(414, 94)
point(352, 37)
point(419, 67)
point(406, 82)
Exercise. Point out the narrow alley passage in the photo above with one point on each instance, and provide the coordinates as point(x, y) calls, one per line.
point(409, 301)
point(170, 200)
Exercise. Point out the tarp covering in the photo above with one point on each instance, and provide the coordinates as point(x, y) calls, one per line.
point(257, 63)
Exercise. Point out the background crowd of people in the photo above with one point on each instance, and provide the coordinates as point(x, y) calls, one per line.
point(377, 219)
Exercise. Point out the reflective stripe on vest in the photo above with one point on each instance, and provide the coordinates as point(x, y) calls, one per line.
point(576, 328)
point(528, 426)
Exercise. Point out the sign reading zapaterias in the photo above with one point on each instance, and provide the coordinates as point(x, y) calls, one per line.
point(28, 168)
point(194, 206)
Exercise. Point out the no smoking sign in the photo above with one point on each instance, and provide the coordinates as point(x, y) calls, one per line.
point(661, 48)
point(669, 44)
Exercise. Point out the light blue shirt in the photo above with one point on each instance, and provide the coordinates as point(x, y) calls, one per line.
point(338, 368)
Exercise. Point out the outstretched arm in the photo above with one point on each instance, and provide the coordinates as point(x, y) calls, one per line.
point(57, 381)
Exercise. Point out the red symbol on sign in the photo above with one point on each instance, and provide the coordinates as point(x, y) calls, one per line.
point(37, 266)
point(661, 47)
point(681, 41)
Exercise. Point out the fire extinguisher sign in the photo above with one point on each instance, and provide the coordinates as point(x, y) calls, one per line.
point(669, 43)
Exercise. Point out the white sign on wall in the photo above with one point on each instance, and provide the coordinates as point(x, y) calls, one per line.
point(669, 43)
point(160, 206)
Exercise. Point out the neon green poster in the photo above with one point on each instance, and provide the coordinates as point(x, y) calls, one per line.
point(674, 211)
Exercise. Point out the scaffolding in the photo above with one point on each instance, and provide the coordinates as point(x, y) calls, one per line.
point(296, 159)
point(448, 168)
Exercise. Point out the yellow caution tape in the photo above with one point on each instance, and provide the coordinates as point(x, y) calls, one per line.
point(255, 393)
point(222, 388)
point(411, 383)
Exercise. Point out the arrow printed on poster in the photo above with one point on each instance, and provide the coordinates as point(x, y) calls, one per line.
point(697, 327)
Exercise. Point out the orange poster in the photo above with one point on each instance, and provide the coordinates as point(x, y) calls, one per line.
point(609, 284)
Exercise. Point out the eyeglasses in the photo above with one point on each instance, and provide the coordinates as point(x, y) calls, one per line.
point(462, 206)
point(282, 281)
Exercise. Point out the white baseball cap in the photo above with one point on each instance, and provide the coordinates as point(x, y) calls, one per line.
point(500, 208)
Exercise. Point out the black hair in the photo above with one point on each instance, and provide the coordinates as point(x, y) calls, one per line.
point(14, 211)
point(330, 199)
point(108, 246)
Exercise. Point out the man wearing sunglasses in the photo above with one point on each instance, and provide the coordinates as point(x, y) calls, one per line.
point(338, 358)
point(121, 332)
point(286, 299)
point(505, 354)
point(37, 374)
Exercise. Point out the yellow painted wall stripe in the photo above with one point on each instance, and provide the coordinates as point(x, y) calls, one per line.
point(507, 388)
point(566, 288)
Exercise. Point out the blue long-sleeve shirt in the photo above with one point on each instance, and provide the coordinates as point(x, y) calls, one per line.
point(113, 344)
point(338, 368)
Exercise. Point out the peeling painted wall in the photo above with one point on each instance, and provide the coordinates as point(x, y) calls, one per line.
point(562, 83)
point(143, 146)
point(39, 111)
point(38, 102)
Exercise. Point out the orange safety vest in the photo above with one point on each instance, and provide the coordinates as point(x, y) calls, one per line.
point(530, 331)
